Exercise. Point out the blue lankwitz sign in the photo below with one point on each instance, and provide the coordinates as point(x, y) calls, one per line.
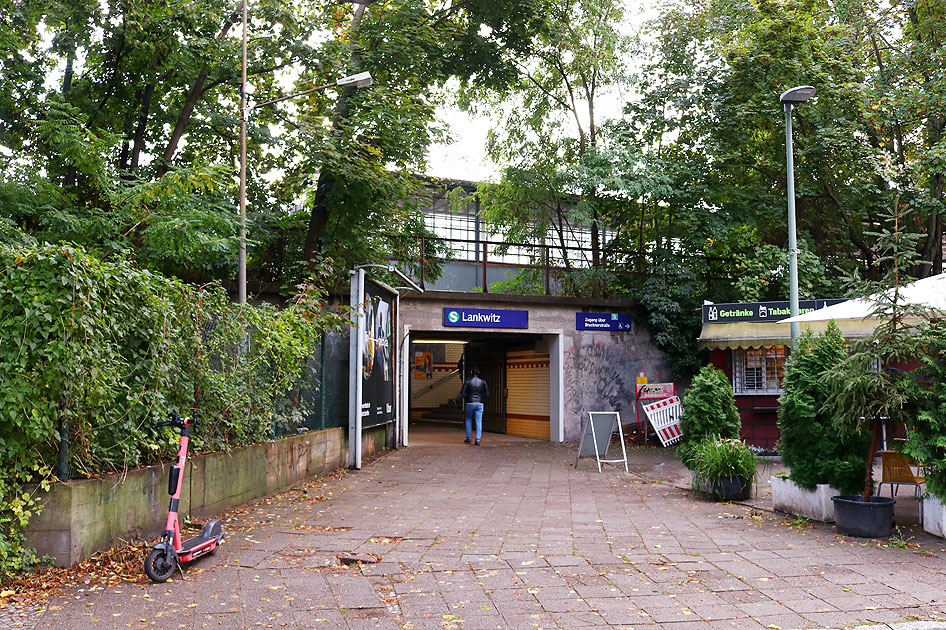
point(484, 318)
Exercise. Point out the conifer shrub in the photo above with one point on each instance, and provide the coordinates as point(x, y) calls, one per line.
point(709, 410)
point(926, 439)
point(810, 444)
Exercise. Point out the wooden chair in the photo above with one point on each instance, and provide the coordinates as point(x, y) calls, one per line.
point(897, 472)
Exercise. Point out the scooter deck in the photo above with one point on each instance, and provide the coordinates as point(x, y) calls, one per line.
point(194, 542)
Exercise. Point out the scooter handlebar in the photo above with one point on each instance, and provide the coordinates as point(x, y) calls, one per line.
point(177, 421)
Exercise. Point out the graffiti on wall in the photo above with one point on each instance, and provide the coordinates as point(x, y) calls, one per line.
point(598, 377)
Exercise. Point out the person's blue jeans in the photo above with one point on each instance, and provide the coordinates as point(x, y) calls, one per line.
point(474, 411)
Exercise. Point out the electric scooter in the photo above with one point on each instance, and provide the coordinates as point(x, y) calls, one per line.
point(168, 554)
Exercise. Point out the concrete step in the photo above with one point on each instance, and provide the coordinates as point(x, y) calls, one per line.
point(448, 412)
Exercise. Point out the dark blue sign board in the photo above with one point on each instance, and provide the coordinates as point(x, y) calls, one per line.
point(760, 311)
point(602, 321)
point(484, 318)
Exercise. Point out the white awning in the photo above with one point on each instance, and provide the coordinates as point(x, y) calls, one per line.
point(928, 292)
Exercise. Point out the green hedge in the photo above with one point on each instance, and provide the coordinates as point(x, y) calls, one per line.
point(96, 352)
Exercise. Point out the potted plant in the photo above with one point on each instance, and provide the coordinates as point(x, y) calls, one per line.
point(709, 409)
point(823, 460)
point(870, 386)
point(727, 465)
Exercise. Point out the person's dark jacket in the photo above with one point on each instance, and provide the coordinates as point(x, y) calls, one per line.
point(475, 390)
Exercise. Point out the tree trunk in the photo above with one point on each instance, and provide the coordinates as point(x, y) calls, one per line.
point(319, 218)
point(933, 244)
point(143, 115)
point(70, 176)
point(192, 97)
point(595, 254)
point(869, 470)
point(932, 247)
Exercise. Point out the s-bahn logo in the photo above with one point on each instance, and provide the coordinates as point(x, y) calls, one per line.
point(453, 316)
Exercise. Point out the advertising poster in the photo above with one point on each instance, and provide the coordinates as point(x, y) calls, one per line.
point(423, 365)
point(377, 361)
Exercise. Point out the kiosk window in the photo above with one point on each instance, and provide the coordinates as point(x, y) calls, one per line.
point(758, 370)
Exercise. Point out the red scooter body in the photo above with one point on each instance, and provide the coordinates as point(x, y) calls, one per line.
point(168, 554)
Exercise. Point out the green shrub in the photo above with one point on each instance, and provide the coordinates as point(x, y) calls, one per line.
point(716, 457)
point(709, 409)
point(93, 353)
point(926, 441)
point(810, 445)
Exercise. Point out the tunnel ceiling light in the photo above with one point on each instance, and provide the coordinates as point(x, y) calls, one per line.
point(438, 341)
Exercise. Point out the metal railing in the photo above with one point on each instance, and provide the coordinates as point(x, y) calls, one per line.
point(554, 261)
point(445, 379)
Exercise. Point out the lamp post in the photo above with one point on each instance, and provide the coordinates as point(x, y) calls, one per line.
point(789, 98)
point(362, 79)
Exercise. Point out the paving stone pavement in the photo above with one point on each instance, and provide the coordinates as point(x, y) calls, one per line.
point(511, 535)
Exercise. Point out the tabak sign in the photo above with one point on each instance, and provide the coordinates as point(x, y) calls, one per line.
point(760, 311)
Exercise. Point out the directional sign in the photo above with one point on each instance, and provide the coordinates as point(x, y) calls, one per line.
point(602, 321)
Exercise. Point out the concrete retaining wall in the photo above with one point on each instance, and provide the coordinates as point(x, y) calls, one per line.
point(83, 516)
point(790, 498)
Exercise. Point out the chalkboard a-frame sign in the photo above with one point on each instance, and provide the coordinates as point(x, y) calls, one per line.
point(596, 437)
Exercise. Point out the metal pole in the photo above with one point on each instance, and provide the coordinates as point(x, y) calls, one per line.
point(405, 394)
point(62, 465)
point(356, 350)
point(395, 368)
point(302, 93)
point(241, 279)
point(792, 244)
point(485, 285)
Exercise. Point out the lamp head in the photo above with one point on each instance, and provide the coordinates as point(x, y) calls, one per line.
point(362, 79)
point(798, 94)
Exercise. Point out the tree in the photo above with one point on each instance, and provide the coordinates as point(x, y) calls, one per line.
point(870, 387)
point(810, 444)
point(709, 106)
point(907, 115)
point(556, 184)
point(85, 144)
point(412, 49)
point(143, 106)
point(709, 411)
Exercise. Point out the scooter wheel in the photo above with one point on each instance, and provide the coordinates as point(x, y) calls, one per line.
point(159, 565)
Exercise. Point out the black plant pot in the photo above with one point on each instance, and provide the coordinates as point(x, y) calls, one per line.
point(731, 488)
point(856, 517)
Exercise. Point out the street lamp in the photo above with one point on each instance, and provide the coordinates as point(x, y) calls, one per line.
point(362, 79)
point(789, 98)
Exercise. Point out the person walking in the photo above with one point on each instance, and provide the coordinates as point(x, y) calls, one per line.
point(475, 391)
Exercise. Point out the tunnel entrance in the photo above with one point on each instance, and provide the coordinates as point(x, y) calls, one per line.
point(515, 366)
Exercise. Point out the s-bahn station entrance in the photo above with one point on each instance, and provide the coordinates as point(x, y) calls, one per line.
point(514, 366)
point(547, 360)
